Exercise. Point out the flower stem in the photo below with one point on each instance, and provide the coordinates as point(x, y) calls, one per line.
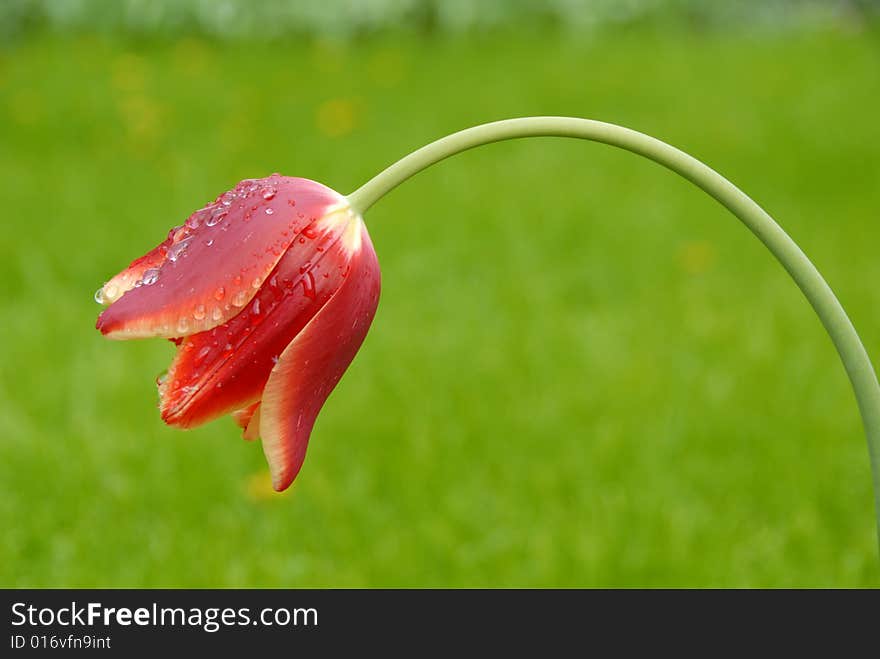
point(821, 297)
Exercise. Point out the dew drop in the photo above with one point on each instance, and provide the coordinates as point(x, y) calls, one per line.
point(203, 353)
point(308, 283)
point(178, 249)
point(99, 295)
point(210, 242)
point(269, 211)
point(239, 299)
point(309, 232)
point(216, 314)
point(269, 193)
point(220, 293)
point(217, 215)
point(236, 280)
point(150, 277)
point(183, 325)
point(256, 283)
point(255, 309)
point(199, 313)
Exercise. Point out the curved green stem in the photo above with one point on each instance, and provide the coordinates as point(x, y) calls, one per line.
point(843, 334)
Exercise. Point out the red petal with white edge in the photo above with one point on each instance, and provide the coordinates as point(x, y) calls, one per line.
point(218, 259)
point(138, 271)
point(312, 364)
point(225, 369)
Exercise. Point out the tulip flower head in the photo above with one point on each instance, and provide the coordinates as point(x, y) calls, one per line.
point(268, 292)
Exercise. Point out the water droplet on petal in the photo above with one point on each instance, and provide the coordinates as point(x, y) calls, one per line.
point(239, 299)
point(183, 325)
point(269, 193)
point(219, 294)
point(150, 277)
point(217, 215)
point(178, 249)
point(216, 314)
point(210, 242)
point(99, 295)
point(110, 293)
point(269, 211)
point(308, 283)
point(199, 313)
point(256, 283)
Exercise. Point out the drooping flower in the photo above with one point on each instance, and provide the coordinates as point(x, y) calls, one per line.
point(268, 292)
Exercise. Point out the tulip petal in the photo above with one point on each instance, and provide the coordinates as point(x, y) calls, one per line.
point(252, 432)
point(134, 274)
point(226, 368)
point(316, 359)
point(243, 416)
point(216, 262)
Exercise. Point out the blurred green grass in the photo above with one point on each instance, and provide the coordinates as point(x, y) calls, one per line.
point(583, 372)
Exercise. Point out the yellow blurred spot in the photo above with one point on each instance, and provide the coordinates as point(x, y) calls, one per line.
point(191, 56)
point(236, 130)
point(142, 117)
point(258, 487)
point(337, 117)
point(696, 256)
point(387, 68)
point(129, 72)
point(26, 107)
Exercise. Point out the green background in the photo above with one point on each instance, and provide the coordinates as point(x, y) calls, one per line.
point(583, 371)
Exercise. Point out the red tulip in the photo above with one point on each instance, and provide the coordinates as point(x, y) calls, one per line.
point(268, 292)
